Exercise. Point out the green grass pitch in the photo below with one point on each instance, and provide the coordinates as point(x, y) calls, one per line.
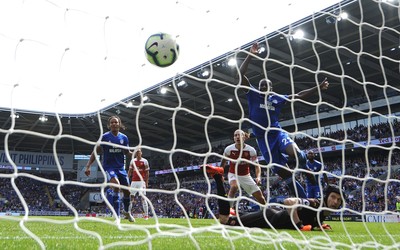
point(100, 233)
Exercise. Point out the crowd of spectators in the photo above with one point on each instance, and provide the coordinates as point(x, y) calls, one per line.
point(358, 133)
point(38, 195)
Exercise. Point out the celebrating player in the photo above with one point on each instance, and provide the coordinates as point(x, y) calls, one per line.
point(139, 172)
point(298, 213)
point(313, 180)
point(114, 162)
point(264, 111)
point(239, 170)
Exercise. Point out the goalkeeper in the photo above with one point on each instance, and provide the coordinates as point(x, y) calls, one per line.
point(300, 213)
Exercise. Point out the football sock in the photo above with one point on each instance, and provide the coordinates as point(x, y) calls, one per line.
point(130, 206)
point(109, 196)
point(145, 207)
point(126, 201)
point(116, 203)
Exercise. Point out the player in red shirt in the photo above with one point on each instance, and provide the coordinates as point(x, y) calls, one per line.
point(139, 173)
point(239, 170)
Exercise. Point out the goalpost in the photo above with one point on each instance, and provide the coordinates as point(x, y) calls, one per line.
point(355, 130)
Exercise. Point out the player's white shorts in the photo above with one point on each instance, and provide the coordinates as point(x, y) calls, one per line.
point(138, 187)
point(246, 182)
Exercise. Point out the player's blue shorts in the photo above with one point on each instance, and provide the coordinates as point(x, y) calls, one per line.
point(120, 174)
point(278, 141)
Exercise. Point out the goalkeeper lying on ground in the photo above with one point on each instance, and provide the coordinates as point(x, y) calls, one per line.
point(302, 216)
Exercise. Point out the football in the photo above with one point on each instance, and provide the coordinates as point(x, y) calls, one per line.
point(161, 49)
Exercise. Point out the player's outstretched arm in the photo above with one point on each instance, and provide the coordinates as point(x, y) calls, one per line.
point(130, 170)
point(245, 65)
point(292, 210)
point(290, 202)
point(308, 92)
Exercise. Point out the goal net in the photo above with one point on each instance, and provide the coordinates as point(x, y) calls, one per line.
point(353, 128)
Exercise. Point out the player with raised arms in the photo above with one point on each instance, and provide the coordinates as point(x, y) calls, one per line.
point(264, 110)
point(114, 162)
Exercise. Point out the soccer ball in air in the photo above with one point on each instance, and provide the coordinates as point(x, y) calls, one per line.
point(161, 50)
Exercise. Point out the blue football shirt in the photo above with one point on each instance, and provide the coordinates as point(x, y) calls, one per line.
point(259, 104)
point(114, 156)
point(315, 166)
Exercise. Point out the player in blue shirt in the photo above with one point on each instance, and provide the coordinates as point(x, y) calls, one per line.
point(313, 180)
point(273, 142)
point(114, 148)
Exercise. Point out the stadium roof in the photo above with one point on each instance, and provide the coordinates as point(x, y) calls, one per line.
point(93, 51)
point(359, 56)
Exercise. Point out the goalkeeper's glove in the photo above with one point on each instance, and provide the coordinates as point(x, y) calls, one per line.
point(326, 227)
point(302, 227)
point(306, 228)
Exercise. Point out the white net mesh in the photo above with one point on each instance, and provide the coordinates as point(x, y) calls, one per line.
point(353, 127)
